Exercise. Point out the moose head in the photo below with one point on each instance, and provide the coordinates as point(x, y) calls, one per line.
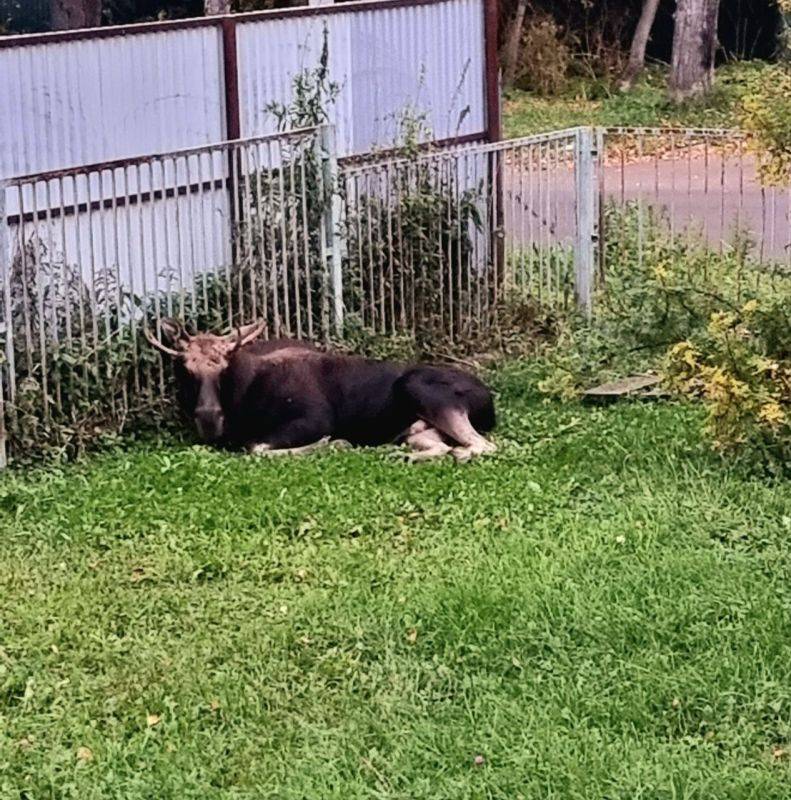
point(200, 361)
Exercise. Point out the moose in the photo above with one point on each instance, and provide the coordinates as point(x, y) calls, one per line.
point(286, 396)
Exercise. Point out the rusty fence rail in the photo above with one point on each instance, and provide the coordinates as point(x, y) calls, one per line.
point(431, 244)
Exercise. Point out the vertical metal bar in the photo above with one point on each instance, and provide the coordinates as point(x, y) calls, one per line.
point(358, 206)
point(23, 256)
point(118, 287)
point(246, 221)
point(722, 200)
point(388, 205)
point(39, 289)
point(9, 368)
point(306, 240)
point(402, 260)
point(235, 155)
point(80, 278)
point(586, 219)
point(261, 233)
point(292, 215)
point(602, 198)
point(131, 275)
point(284, 236)
point(531, 219)
point(189, 206)
point(461, 258)
point(273, 232)
point(52, 281)
point(141, 244)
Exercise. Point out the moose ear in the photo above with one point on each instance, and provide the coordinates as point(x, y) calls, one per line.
point(173, 331)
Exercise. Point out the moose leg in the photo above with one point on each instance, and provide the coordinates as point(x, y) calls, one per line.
point(455, 424)
point(426, 442)
point(446, 400)
point(296, 437)
point(262, 449)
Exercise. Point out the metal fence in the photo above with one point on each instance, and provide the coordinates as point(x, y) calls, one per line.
point(435, 243)
point(430, 245)
point(699, 186)
point(90, 257)
point(192, 82)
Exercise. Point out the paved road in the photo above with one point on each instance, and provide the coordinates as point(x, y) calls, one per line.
point(714, 200)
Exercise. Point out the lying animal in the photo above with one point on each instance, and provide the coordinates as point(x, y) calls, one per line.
point(286, 396)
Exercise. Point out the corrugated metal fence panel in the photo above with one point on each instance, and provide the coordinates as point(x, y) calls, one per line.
point(425, 60)
point(89, 101)
point(272, 53)
point(428, 61)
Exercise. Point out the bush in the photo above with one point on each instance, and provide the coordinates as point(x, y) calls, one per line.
point(545, 57)
point(767, 115)
point(657, 290)
point(740, 366)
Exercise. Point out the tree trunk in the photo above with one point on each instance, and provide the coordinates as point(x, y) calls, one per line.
point(513, 37)
point(67, 14)
point(641, 36)
point(694, 48)
point(212, 8)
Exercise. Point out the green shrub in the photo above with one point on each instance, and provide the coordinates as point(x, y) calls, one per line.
point(740, 366)
point(658, 289)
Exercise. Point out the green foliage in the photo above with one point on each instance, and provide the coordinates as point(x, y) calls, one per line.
point(544, 57)
point(599, 610)
point(82, 369)
point(409, 249)
point(767, 115)
point(740, 365)
point(592, 101)
point(723, 319)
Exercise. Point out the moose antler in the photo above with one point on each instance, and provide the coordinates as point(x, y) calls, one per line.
point(248, 334)
point(154, 342)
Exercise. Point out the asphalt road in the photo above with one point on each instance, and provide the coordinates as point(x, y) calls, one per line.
point(713, 198)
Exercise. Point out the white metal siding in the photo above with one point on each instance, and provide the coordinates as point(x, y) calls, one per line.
point(87, 101)
point(272, 53)
point(427, 61)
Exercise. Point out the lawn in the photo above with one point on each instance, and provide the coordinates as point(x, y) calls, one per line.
point(602, 610)
point(592, 103)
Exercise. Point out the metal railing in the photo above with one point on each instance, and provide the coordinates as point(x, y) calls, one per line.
point(89, 257)
point(435, 242)
point(698, 184)
point(428, 244)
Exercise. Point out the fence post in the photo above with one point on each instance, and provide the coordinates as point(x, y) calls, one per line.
point(331, 239)
point(587, 193)
point(5, 278)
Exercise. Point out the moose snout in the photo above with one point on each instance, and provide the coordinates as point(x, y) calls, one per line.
point(210, 422)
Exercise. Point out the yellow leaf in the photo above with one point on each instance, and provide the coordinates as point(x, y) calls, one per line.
point(84, 754)
point(153, 719)
point(412, 636)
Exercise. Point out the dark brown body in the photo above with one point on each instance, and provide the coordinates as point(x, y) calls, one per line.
point(285, 395)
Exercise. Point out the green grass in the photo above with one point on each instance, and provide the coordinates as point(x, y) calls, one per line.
point(602, 610)
point(585, 103)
